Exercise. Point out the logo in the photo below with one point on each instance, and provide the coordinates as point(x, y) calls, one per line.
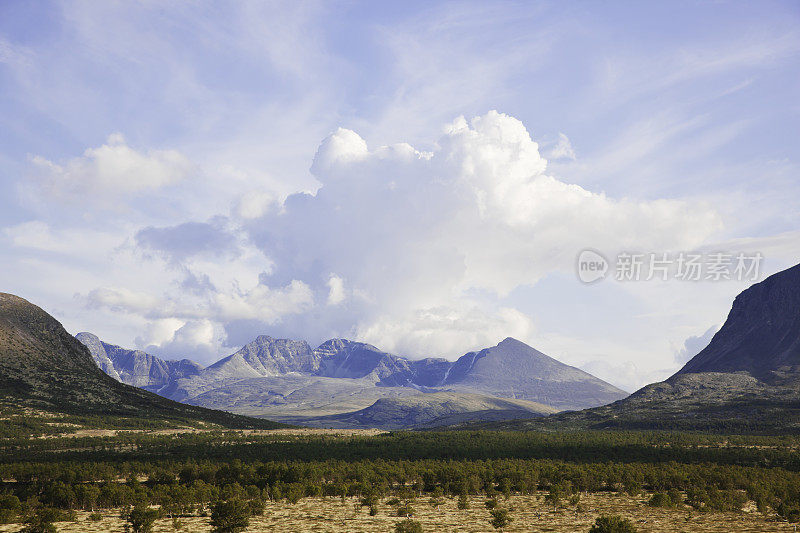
point(592, 266)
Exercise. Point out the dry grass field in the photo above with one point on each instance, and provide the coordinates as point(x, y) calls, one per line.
point(530, 514)
point(297, 432)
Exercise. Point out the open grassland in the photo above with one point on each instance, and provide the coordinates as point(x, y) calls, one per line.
point(530, 513)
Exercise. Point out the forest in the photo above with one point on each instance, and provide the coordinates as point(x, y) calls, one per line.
point(200, 473)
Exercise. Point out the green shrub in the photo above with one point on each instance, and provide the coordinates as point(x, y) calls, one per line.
point(256, 507)
point(294, 494)
point(463, 502)
point(8, 516)
point(10, 508)
point(789, 510)
point(660, 499)
point(140, 519)
point(42, 521)
point(559, 491)
point(405, 510)
point(500, 518)
point(711, 498)
point(612, 524)
point(435, 502)
point(369, 500)
point(230, 516)
point(632, 487)
point(676, 497)
point(408, 526)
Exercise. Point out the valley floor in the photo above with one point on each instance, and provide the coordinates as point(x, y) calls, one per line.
point(530, 513)
point(295, 432)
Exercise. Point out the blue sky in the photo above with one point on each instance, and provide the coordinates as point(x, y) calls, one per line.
point(184, 177)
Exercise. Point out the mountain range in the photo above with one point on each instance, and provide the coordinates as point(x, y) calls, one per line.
point(746, 380)
point(43, 368)
point(135, 367)
point(289, 380)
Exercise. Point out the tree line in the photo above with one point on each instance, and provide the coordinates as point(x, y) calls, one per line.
point(185, 474)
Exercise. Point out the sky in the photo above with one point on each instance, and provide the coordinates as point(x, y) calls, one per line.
point(182, 177)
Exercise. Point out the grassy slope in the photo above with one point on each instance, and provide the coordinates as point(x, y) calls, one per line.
point(431, 410)
point(718, 402)
point(43, 367)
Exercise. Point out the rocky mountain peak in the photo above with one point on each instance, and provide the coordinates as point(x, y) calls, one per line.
point(512, 369)
point(334, 347)
point(761, 335)
point(99, 354)
point(511, 341)
point(269, 356)
point(342, 358)
point(136, 367)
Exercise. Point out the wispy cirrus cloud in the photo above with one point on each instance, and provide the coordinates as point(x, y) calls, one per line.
point(212, 221)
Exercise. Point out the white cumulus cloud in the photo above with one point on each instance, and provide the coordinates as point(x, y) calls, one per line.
point(694, 345)
point(412, 250)
point(172, 338)
point(415, 231)
point(121, 299)
point(563, 149)
point(255, 204)
point(337, 292)
point(111, 170)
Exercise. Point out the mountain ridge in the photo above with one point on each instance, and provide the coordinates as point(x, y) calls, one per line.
point(136, 367)
point(430, 410)
point(44, 367)
point(761, 334)
point(285, 377)
point(745, 380)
